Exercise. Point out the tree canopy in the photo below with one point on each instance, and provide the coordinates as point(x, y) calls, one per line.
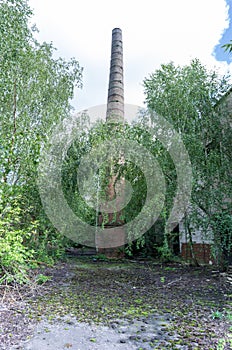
point(35, 94)
point(188, 97)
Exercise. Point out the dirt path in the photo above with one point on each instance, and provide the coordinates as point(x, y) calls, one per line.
point(88, 304)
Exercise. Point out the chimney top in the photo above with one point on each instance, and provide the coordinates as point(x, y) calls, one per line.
point(115, 101)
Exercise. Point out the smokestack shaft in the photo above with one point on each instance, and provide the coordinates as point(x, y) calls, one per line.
point(115, 102)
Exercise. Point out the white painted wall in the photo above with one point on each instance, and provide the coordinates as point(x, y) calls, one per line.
point(198, 235)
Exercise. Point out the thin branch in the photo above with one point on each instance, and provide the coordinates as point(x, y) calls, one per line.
point(9, 160)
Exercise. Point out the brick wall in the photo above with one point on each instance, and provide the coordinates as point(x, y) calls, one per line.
point(202, 252)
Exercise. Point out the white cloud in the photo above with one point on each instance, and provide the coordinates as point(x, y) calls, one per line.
point(154, 32)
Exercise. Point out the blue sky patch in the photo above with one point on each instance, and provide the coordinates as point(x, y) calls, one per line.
point(219, 52)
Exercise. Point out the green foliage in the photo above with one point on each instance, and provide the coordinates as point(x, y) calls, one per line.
point(93, 340)
point(217, 315)
point(164, 252)
point(41, 279)
point(228, 47)
point(92, 139)
point(101, 257)
point(14, 255)
point(221, 222)
point(35, 93)
point(188, 97)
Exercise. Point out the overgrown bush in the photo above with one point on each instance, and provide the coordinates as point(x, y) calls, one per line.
point(15, 256)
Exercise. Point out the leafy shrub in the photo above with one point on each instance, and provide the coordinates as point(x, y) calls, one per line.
point(14, 255)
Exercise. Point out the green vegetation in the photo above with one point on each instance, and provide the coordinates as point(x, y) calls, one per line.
point(35, 94)
point(188, 97)
point(228, 46)
point(35, 90)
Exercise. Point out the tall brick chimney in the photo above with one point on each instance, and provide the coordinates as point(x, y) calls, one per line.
point(115, 102)
point(114, 114)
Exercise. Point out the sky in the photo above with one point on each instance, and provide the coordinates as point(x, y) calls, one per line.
point(154, 32)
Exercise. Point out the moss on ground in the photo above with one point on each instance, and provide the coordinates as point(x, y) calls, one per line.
point(104, 291)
